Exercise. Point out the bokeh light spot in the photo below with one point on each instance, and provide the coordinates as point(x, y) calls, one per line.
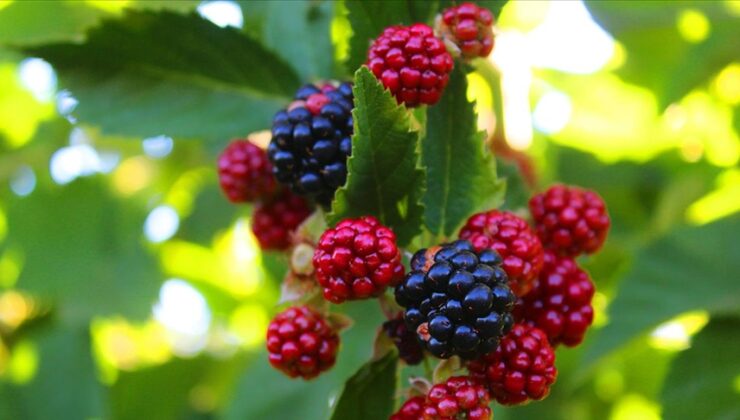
point(693, 25)
point(161, 224)
point(222, 13)
point(38, 77)
point(552, 112)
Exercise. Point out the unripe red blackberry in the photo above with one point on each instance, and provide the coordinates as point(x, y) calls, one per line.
point(457, 398)
point(274, 221)
point(245, 172)
point(311, 140)
point(409, 348)
point(510, 236)
point(301, 342)
point(357, 259)
point(410, 410)
point(456, 300)
point(560, 302)
point(570, 220)
point(412, 63)
point(468, 27)
point(522, 368)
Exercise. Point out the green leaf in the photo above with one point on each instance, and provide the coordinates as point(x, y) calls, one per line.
point(82, 250)
point(368, 395)
point(641, 26)
point(64, 385)
point(459, 175)
point(690, 269)
point(702, 383)
point(297, 31)
point(159, 72)
point(384, 179)
point(368, 18)
point(29, 22)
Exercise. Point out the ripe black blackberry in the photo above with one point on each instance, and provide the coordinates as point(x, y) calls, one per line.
point(311, 140)
point(458, 301)
point(409, 349)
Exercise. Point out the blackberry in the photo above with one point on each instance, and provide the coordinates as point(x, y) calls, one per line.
point(457, 300)
point(468, 27)
point(311, 140)
point(408, 347)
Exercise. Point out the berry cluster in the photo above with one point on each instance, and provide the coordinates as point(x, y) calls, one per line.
point(521, 368)
point(412, 63)
point(274, 221)
point(245, 173)
point(409, 349)
point(469, 28)
point(311, 140)
point(357, 259)
point(510, 236)
point(560, 302)
point(301, 343)
point(457, 300)
point(500, 297)
point(456, 398)
point(570, 220)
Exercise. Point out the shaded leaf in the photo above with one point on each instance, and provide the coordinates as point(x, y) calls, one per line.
point(368, 394)
point(638, 25)
point(84, 252)
point(64, 363)
point(690, 269)
point(459, 175)
point(150, 73)
point(702, 383)
point(384, 179)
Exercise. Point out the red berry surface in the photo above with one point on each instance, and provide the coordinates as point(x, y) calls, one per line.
point(301, 343)
point(412, 63)
point(522, 368)
point(457, 398)
point(510, 236)
point(274, 222)
point(357, 259)
point(468, 26)
point(560, 302)
point(245, 172)
point(410, 410)
point(570, 220)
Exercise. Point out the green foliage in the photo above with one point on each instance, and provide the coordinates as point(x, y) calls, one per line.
point(84, 255)
point(676, 274)
point(638, 25)
point(703, 380)
point(460, 177)
point(369, 393)
point(384, 177)
point(154, 72)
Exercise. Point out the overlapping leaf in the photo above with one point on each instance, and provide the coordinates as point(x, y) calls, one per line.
point(368, 395)
point(150, 73)
point(460, 176)
point(384, 179)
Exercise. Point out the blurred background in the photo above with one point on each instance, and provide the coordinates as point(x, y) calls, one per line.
point(131, 289)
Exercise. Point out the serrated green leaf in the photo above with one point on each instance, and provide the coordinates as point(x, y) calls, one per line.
point(639, 25)
point(690, 269)
point(150, 73)
point(384, 179)
point(84, 253)
point(368, 395)
point(702, 382)
point(459, 176)
point(368, 18)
